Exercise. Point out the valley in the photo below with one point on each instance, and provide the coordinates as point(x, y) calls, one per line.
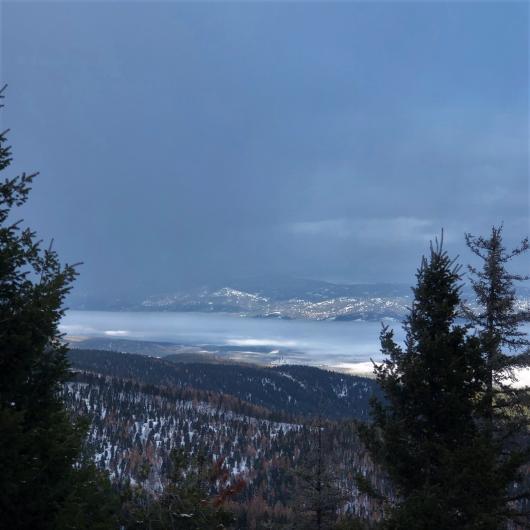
point(261, 423)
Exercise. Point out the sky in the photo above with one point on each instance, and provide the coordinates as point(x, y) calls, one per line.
point(189, 143)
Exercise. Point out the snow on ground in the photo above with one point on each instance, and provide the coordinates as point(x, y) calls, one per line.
point(366, 369)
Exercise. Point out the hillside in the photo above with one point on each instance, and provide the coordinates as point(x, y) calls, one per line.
point(133, 428)
point(262, 424)
point(289, 389)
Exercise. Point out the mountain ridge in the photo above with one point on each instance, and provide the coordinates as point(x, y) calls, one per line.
point(288, 389)
point(284, 298)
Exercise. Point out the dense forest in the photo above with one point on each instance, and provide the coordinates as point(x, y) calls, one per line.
point(288, 389)
point(134, 428)
point(135, 424)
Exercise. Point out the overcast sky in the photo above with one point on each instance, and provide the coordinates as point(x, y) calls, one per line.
point(185, 143)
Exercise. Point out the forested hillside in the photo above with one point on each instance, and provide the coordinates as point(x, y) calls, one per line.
point(133, 429)
point(290, 389)
point(142, 409)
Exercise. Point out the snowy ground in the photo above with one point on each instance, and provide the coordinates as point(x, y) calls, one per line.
point(366, 369)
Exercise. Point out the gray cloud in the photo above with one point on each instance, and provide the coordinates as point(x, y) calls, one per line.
point(184, 143)
point(373, 231)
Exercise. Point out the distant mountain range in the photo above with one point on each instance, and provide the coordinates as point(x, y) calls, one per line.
point(358, 303)
point(279, 297)
point(288, 298)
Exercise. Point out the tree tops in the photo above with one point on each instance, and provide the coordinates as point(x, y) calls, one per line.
point(431, 433)
point(40, 447)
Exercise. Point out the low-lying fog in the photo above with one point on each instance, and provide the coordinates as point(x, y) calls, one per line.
point(347, 346)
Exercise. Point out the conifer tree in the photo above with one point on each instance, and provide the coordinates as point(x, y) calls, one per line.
point(39, 445)
point(504, 345)
point(319, 496)
point(424, 435)
point(187, 502)
point(505, 349)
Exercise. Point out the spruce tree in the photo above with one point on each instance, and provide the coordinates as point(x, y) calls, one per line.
point(424, 434)
point(319, 496)
point(188, 501)
point(505, 408)
point(39, 444)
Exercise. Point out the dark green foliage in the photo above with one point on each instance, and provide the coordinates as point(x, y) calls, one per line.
point(285, 390)
point(319, 495)
point(354, 524)
point(504, 408)
point(425, 435)
point(92, 503)
point(186, 503)
point(497, 316)
point(39, 445)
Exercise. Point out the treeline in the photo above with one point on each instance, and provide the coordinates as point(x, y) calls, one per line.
point(286, 390)
point(134, 430)
point(453, 434)
point(215, 400)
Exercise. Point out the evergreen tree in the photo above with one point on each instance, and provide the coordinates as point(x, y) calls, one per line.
point(424, 434)
point(319, 496)
point(505, 349)
point(39, 445)
point(187, 502)
point(92, 502)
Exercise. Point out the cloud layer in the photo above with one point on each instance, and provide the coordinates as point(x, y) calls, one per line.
point(184, 143)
